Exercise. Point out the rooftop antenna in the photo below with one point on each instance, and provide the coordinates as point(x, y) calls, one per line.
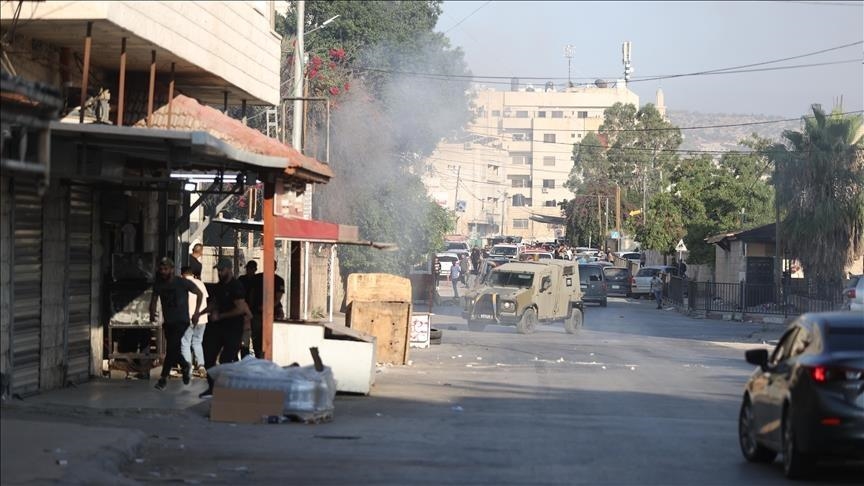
point(568, 53)
point(626, 50)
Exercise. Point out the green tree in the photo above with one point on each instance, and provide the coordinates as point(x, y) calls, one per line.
point(819, 178)
point(589, 164)
point(664, 227)
point(383, 123)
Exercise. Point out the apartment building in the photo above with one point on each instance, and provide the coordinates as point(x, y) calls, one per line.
point(516, 156)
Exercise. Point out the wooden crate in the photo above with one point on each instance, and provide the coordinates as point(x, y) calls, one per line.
point(377, 287)
point(389, 322)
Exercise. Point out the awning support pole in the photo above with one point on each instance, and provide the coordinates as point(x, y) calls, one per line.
point(170, 96)
point(121, 90)
point(225, 102)
point(268, 265)
point(306, 281)
point(152, 87)
point(243, 112)
point(332, 280)
point(85, 74)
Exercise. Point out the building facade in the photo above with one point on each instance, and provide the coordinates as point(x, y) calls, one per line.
point(90, 204)
point(517, 155)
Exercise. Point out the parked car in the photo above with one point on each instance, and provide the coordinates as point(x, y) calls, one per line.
point(629, 255)
point(854, 294)
point(535, 255)
point(593, 283)
point(806, 400)
point(506, 250)
point(446, 259)
point(617, 281)
point(456, 245)
point(641, 283)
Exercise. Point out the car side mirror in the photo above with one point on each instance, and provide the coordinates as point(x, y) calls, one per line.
point(758, 357)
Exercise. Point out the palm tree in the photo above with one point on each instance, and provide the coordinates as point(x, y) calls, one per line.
point(819, 182)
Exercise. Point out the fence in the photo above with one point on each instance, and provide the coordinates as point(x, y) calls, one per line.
point(789, 299)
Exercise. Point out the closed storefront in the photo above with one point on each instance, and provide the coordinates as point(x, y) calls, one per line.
point(78, 287)
point(26, 285)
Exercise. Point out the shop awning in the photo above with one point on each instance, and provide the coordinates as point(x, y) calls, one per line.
point(314, 231)
point(188, 115)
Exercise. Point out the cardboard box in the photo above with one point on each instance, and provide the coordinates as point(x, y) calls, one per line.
point(245, 406)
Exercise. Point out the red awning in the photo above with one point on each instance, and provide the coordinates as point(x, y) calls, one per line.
point(189, 115)
point(297, 229)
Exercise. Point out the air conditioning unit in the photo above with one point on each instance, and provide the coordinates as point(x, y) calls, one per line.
point(544, 190)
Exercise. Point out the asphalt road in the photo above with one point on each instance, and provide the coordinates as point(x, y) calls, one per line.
point(639, 396)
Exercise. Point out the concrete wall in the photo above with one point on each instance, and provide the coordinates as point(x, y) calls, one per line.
point(5, 277)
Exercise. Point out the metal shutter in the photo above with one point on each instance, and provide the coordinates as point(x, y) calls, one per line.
point(26, 285)
point(78, 284)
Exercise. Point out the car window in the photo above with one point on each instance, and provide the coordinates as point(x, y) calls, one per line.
point(589, 273)
point(781, 352)
point(800, 343)
point(512, 279)
point(648, 272)
point(845, 339)
point(616, 273)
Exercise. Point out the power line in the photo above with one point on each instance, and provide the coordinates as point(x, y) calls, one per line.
point(467, 17)
point(827, 3)
point(485, 80)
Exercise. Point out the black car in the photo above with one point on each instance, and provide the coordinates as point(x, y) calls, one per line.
point(617, 281)
point(806, 399)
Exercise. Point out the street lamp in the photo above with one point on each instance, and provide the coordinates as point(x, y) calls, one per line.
point(331, 19)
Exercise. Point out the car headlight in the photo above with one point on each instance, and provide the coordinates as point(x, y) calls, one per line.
point(507, 306)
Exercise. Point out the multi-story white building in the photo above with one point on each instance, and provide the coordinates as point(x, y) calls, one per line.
point(517, 155)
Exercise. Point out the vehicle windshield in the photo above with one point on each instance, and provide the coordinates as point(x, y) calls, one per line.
point(616, 273)
point(522, 280)
point(648, 272)
point(457, 246)
point(505, 250)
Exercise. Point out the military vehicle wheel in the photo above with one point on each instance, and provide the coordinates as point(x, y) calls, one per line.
point(476, 326)
point(528, 323)
point(574, 321)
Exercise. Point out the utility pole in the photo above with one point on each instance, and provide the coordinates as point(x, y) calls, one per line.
point(297, 123)
point(618, 214)
point(458, 180)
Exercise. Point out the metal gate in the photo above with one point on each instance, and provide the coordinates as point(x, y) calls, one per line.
point(78, 284)
point(26, 285)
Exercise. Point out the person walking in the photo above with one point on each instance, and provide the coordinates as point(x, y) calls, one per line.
point(455, 272)
point(657, 289)
point(173, 293)
point(256, 305)
point(475, 260)
point(248, 281)
point(227, 310)
point(436, 269)
point(190, 345)
point(464, 267)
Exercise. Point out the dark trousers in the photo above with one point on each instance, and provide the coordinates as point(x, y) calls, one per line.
point(258, 335)
point(222, 340)
point(173, 335)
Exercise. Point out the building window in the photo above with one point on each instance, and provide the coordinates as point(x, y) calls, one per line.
point(492, 170)
point(521, 159)
point(582, 114)
point(520, 137)
point(549, 161)
point(541, 114)
point(521, 114)
point(518, 200)
point(548, 183)
point(549, 138)
point(520, 224)
point(496, 112)
point(550, 204)
point(519, 180)
point(557, 114)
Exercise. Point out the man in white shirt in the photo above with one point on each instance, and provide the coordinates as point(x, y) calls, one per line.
point(194, 335)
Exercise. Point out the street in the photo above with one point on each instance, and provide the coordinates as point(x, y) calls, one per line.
point(639, 396)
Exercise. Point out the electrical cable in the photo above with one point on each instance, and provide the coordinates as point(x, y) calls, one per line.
point(467, 17)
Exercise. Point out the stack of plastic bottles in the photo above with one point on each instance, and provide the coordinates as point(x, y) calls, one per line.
point(307, 392)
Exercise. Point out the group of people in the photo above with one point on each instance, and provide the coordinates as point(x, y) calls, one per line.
point(202, 329)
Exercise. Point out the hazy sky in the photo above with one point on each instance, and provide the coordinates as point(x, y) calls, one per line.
point(527, 39)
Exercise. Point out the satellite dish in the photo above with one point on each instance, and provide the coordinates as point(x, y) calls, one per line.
point(601, 83)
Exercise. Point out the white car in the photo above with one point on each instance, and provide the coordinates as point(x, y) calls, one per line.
point(446, 259)
point(855, 294)
point(506, 250)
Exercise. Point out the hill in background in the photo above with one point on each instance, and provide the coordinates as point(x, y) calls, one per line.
point(725, 138)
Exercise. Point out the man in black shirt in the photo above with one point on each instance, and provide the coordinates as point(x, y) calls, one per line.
point(195, 260)
point(173, 292)
point(256, 304)
point(248, 281)
point(224, 331)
